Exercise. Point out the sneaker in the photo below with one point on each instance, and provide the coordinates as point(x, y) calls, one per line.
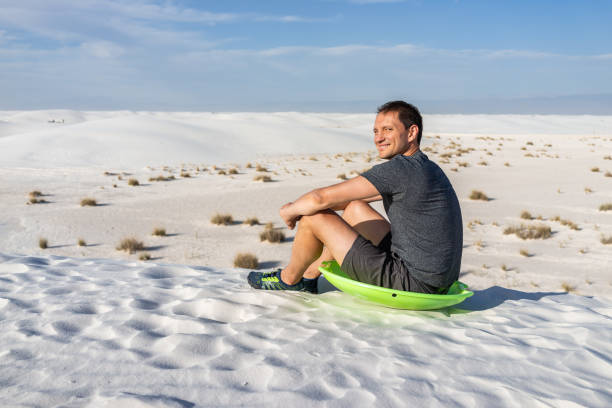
point(310, 285)
point(272, 281)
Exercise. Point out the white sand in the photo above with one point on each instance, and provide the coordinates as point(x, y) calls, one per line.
point(94, 326)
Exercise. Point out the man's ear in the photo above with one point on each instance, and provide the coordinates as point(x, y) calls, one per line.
point(413, 133)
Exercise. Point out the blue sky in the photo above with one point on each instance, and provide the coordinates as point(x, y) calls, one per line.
point(319, 55)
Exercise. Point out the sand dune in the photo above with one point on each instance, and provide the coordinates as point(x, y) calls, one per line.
point(93, 332)
point(92, 326)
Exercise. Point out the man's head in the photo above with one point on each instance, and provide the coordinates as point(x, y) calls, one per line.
point(398, 129)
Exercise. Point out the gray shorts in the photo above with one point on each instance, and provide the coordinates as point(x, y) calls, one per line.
point(378, 265)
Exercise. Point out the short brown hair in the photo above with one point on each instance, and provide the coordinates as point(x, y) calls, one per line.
point(408, 114)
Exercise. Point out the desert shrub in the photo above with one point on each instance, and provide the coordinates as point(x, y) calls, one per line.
point(567, 287)
point(608, 174)
point(529, 231)
point(34, 200)
point(483, 163)
point(261, 168)
point(43, 243)
point(507, 164)
point(262, 177)
point(526, 215)
point(567, 223)
point(35, 193)
point(161, 178)
point(145, 256)
point(525, 253)
point(595, 169)
point(246, 260)
point(133, 182)
point(588, 190)
point(233, 171)
point(249, 166)
point(529, 143)
point(478, 195)
point(222, 219)
point(272, 235)
point(88, 202)
point(251, 221)
point(606, 240)
point(341, 176)
point(114, 186)
point(605, 207)
point(463, 164)
point(185, 174)
point(159, 232)
point(313, 158)
point(130, 245)
point(269, 225)
point(81, 242)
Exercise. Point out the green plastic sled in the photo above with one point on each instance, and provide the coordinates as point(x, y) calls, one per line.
point(396, 299)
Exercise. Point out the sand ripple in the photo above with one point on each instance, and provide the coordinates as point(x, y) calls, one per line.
point(102, 333)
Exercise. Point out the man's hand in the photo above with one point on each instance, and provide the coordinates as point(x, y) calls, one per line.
point(290, 217)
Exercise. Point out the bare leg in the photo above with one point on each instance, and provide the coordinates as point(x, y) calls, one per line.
point(325, 236)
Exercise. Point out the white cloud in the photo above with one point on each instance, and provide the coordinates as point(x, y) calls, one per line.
point(103, 49)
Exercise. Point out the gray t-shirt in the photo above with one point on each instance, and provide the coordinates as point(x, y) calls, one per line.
point(425, 217)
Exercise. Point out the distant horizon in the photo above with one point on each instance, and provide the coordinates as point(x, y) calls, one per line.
point(597, 105)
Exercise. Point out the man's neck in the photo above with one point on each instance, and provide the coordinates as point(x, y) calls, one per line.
point(411, 151)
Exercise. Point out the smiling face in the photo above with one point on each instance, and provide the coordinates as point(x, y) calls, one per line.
point(392, 138)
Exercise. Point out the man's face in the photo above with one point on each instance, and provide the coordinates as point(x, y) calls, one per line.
point(390, 136)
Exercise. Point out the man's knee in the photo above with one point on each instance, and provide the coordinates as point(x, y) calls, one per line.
point(318, 217)
point(355, 210)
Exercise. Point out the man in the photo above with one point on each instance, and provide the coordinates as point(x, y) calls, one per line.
point(418, 250)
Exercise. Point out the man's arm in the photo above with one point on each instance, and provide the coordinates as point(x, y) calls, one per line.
point(334, 197)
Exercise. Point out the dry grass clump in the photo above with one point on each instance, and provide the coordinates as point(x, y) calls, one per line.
point(567, 223)
point(478, 195)
point(43, 243)
point(272, 235)
point(525, 253)
point(262, 177)
point(261, 168)
point(185, 174)
point(222, 219)
point(88, 202)
point(35, 193)
point(130, 245)
point(161, 178)
point(341, 176)
point(34, 200)
point(233, 171)
point(159, 232)
point(81, 242)
point(605, 207)
point(145, 256)
point(249, 166)
point(529, 231)
point(595, 169)
point(608, 174)
point(567, 287)
point(507, 164)
point(251, 221)
point(463, 164)
point(133, 182)
point(606, 240)
point(246, 261)
point(483, 163)
point(588, 190)
point(526, 215)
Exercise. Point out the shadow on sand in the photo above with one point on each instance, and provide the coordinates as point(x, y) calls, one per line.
point(496, 295)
